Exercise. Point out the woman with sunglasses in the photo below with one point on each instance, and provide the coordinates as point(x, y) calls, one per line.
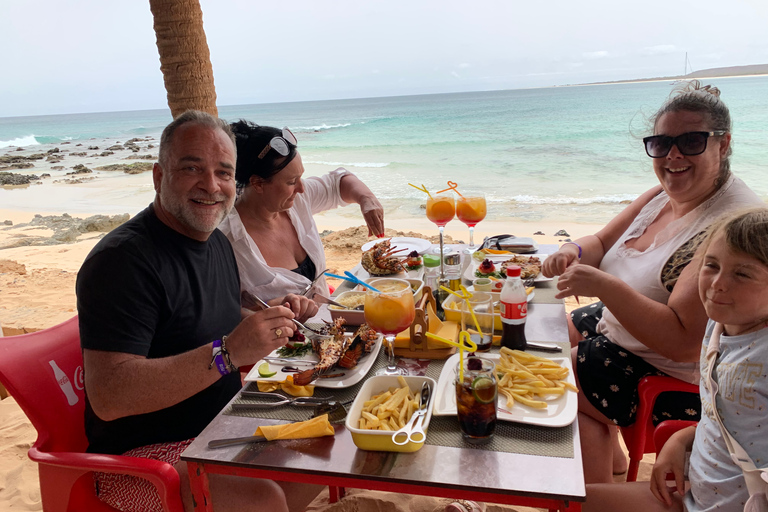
point(271, 228)
point(650, 320)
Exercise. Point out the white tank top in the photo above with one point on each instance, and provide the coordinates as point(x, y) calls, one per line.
point(642, 270)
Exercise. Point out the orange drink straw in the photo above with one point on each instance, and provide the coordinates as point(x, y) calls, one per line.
point(422, 188)
point(451, 186)
point(465, 343)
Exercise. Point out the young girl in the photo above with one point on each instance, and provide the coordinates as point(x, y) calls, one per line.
point(733, 286)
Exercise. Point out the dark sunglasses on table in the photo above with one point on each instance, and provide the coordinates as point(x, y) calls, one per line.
point(280, 144)
point(689, 144)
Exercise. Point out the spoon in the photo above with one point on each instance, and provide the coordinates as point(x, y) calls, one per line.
point(352, 279)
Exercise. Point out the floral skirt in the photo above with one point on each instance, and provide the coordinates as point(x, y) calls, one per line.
point(609, 375)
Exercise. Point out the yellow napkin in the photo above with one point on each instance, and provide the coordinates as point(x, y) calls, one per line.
point(316, 427)
point(448, 330)
point(287, 385)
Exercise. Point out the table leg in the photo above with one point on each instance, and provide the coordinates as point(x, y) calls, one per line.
point(336, 493)
point(201, 492)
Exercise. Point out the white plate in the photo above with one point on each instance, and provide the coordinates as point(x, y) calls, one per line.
point(403, 242)
point(350, 377)
point(561, 411)
point(497, 259)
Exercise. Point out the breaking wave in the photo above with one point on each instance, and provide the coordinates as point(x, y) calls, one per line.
point(28, 140)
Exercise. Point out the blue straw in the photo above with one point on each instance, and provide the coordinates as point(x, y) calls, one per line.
point(352, 279)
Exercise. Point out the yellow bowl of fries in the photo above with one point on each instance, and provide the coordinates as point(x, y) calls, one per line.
point(383, 405)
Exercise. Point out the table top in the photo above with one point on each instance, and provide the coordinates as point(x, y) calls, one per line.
point(464, 469)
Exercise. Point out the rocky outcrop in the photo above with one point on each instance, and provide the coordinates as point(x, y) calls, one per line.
point(11, 178)
point(66, 229)
point(79, 169)
point(134, 168)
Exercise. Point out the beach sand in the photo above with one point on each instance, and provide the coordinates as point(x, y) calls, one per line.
point(37, 290)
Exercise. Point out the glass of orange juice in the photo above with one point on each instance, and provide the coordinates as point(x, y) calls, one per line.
point(390, 311)
point(441, 209)
point(471, 209)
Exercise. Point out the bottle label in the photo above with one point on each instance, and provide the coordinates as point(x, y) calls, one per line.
point(512, 311)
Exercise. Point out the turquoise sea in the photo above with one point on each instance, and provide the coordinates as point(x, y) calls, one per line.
point(550, 153)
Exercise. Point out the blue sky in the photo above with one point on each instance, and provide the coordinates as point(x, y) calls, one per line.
point(92, 55)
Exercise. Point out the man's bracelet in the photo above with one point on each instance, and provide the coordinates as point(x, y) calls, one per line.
point(220, 357)
point(577, 245)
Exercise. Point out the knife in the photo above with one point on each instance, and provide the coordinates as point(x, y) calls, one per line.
point(325, 300)
point(544, 347)
point(219, 443)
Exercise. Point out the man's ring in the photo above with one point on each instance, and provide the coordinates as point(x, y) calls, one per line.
point(278, 332)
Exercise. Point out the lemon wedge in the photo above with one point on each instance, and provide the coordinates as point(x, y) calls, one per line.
point(264, 370)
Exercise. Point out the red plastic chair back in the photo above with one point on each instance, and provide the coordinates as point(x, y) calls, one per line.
point(43, 372)
point(665, 429)
point(639, 436)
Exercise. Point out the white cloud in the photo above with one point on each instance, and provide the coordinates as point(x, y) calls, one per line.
point(595, 55)
point(464, 65)
point(661, 49)
point(455, 74)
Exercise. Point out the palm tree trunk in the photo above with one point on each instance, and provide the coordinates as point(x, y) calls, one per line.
point(184, 57)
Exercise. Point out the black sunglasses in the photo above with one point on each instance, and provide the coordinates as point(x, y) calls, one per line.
point(280, 144)
point(689, 144)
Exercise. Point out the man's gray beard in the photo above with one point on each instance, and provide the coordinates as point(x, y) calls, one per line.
point(182, 213)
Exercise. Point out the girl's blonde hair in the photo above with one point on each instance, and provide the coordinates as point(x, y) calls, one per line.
point(745, 232)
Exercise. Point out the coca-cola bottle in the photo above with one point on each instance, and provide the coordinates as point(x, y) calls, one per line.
point(514, 309)
point(64, 383)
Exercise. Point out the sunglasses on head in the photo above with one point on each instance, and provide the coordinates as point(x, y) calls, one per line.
point(689, 144)
point(280, 144)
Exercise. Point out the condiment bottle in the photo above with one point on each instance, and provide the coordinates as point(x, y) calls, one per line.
point(431, 270)
point(453, 270)
point(514, 310)
point(432, 279)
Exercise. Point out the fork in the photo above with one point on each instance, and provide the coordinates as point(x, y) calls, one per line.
point(252, 298)
point(310, 285)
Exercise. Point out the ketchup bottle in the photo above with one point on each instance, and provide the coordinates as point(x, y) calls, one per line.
point(514, 309)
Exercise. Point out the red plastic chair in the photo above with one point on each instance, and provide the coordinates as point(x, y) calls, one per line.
point(639, 436)
point(43, 371)
point(665, 429)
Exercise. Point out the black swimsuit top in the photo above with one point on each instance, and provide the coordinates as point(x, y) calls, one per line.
point(306, 268)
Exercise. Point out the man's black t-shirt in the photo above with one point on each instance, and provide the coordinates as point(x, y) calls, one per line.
point(146, 289)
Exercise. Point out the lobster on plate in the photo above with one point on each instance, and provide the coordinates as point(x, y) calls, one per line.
point(380, 260)
point(336, 349)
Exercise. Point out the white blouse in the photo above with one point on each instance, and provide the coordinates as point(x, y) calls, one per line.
point(320, 194)
point(642, 269)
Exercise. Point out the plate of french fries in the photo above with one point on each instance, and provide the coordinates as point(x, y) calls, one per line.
point(532, 389)
point(383, 405)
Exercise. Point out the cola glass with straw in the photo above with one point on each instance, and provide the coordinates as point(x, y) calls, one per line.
point(390, 310)
point(476, 397)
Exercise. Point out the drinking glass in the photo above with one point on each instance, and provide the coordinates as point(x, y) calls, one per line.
point(476, 395)
point(390, 311)
point(471, 209)
point(441, 209)
point(482, 305)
